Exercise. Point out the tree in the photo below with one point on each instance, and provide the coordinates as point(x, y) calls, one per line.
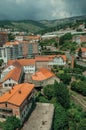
point(79, 87)
point(10, 37)
point(48, 91)
point(11, 123)
point(65, 38)
point(62, 94)
point(82, 125)
point(65, 78)
point(60, 118)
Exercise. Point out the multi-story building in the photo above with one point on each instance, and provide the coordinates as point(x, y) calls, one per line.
point(3, 38)
point(29, 49)
point(18, 101)
point(18, 50)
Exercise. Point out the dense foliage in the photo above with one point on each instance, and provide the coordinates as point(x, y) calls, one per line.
point(79, 87)
point(62, 94)
point(65, 78)
point(11, 123)
point(60, 118)
point(65, 38)
point(76, 115)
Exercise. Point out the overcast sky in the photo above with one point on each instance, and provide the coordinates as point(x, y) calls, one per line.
point(41, 9)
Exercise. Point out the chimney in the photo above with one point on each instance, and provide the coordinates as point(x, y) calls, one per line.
point(19, 91)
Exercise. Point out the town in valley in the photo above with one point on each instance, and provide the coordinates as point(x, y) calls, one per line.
point(43, 75)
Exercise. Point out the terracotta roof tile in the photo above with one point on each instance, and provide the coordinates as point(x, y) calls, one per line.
point(13, 74)
point(18, 94)
point(26, 62)
point(12, 43)
point(49, 57)
point(22, 62)
point(42, 74)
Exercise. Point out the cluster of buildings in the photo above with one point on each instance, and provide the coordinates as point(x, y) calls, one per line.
point(24, 70)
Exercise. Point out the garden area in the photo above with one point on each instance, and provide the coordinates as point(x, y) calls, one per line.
point(67, 114)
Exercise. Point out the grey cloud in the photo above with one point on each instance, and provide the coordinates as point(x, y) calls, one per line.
point(41, 9)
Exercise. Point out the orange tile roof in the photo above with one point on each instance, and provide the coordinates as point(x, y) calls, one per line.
point(14, 96)
point(13, 74)
point(10, 62)
point(12, 43)
point(49, 57)
point(42, 74)
point(26, 62)
point(22, 62)
point(14, 63)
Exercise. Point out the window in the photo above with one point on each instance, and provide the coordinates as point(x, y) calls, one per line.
point(10, 84)
point(5, 85)
point(6, 104)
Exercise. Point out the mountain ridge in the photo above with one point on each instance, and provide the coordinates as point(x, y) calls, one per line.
point(39, 25)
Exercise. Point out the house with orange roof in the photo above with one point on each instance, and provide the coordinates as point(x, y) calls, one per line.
point(43, 77)
point(18, 101)
point(13, 77)
point(27, 64)
point(48, 61)
point(9, 67)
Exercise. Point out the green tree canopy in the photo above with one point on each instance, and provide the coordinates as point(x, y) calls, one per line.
point(49, 91)
point(62, 94)
point(60, 118)
point(11, 123)
point(65, 78)
point(65, 38)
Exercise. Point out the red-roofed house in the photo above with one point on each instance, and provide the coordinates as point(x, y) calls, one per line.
point(27, 64)
point(48, 61)
point(43, 77)
point(13, 77)
point(18, 101)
